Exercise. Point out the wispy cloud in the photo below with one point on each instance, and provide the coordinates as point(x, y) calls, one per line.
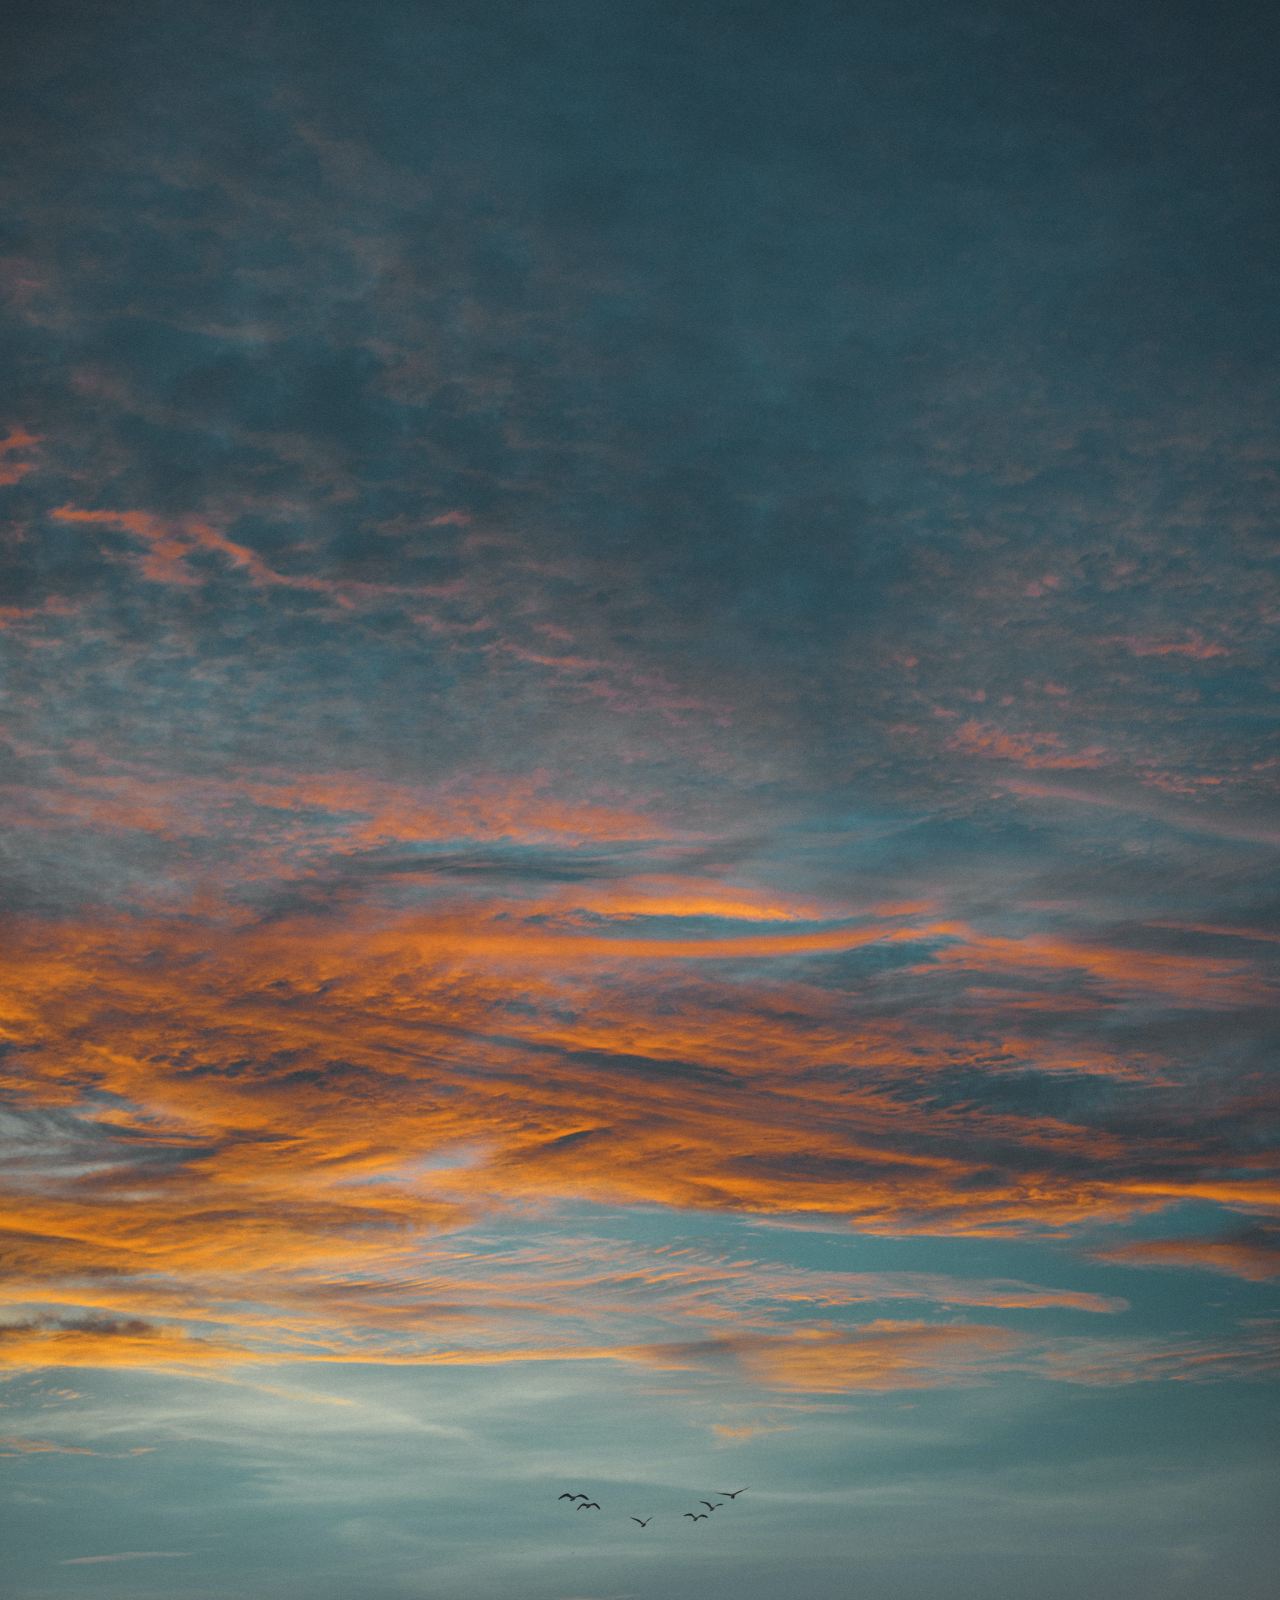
point(126, 1555)
point(1252, 1253)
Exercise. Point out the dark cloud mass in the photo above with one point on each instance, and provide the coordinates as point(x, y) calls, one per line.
point(637, 751)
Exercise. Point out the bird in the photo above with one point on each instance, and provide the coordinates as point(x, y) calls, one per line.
point(732, 1494)
point(589, 1505)
point(709, 1506)
point(568, 1496)
point(643, 1521)
point(696, 1516)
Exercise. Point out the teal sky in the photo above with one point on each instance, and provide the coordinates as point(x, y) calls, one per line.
point(637, 756)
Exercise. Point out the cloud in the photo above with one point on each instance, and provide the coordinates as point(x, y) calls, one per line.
point(17, 1445)
point(496, 732)
point(15, 446)
point(1247, 1353)
point(1253, 1254)
point(1031, 750)
point(269, 1106)
point(741, 1432)
point(1194, 647)
point(14, 1445)
point(127, 1555)
point(880, 1356)
point(1128, 797)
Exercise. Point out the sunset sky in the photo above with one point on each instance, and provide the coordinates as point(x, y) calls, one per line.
point(638, 768)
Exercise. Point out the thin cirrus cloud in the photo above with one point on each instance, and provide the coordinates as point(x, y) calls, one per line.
point(126, 1555)
point(358, 1306)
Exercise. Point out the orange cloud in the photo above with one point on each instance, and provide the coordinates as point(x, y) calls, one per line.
point(879, 1356)
point(282, 1127)
point(739, 1433)
point(1193, 647)
point(336, 1018)
point(11, 1445)
point(168, 546)
point(1242, 1256)
point(16, 442)
point(1200, 980)
point(279, 812)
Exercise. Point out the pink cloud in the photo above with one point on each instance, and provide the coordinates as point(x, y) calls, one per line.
point(1031, 750)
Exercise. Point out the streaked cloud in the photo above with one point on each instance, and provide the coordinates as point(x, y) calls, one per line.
point(1252, 1253)
point(126, 1555)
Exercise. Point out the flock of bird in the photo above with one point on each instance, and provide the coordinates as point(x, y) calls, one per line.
point(582, 1502)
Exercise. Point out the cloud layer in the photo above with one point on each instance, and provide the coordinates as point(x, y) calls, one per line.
point(636, 750)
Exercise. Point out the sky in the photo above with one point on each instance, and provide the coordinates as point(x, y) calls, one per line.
point(638, 767)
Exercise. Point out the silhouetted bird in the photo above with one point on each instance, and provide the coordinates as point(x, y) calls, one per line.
point(709, 1506)
point(644, 1522)
point(589, 1505)
point(696, 1516)
point(732, 1494)
point(571, 1497)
